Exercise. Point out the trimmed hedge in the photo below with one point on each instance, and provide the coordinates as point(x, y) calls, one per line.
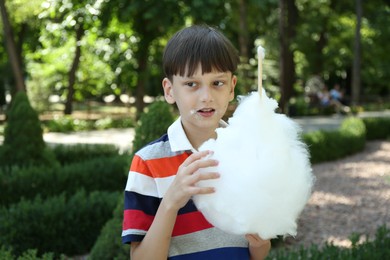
point(57, 224)
point(66, 154)
point(377, 249)
point(31, 254)
point(23, 136)
point(109, 244)
point(98, 174)
point(377, 128)
point(153, 123)
point(330, 145)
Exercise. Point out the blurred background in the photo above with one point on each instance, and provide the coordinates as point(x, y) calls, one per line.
point(105, 55)
point(76, 65)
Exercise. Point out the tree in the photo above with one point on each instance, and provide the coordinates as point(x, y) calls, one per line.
point(287, 23)
point(357, 55)
point(15, 57)
point(23, 136)
point(149, 24)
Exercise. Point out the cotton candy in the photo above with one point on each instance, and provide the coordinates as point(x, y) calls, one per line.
point(266, 177)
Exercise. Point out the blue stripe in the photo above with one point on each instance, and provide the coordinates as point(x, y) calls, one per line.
point(231, 253)
point(163, 138)
point(149, 204)
point(132, 238)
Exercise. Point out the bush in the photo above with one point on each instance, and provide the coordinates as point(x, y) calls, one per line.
point(331, 145)
point(377, 249)
point(109, 243)
point(57, 224)
point(152, 124)
point(31, 254)
point(377, 128)
point(66, 154)
point(107, 174)
point(66, 124)
point(23, 136)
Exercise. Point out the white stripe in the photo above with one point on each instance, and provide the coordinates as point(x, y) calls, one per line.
point(133, 232)
point(163, 184)
point(141, 184)
point(145, 185)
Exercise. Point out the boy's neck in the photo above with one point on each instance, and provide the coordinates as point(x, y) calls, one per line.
point(198, 137)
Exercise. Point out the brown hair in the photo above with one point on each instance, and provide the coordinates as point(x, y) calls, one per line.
point(199, 44)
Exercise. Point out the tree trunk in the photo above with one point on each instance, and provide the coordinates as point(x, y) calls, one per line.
point(72, 72)
point(243, 40)
point(357, 56)
point(142, 58)
point(14, 55)
point(287, 23)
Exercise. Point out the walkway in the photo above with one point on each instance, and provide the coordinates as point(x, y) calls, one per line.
point(123, 138)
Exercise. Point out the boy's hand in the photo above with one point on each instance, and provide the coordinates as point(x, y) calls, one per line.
point(255, 241)
point(183, 187)
point(258, 247)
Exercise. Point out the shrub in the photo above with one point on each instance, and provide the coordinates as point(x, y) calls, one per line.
point(152, 124)
point(57, 224)
point(69, 124)
point(331, 145)
point(377, 128)
point(98, 174)
point(30, 254)
point(109, 243)
point(377, 249)
point(23, 137)
point(66, 154)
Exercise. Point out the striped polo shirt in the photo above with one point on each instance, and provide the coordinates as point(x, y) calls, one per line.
point(151, 173)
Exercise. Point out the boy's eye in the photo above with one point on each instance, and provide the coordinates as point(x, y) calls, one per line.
point(190, 84)
point(218, 83)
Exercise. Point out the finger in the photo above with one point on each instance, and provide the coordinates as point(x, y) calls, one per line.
point(192, 168)
point(202, 190)
point(195, 156)
point(201, 176)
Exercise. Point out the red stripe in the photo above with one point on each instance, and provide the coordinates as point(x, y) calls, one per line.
point(136, 219)
point(159, 167)
point(190, 222)
point(166, 166)
point(138, 165)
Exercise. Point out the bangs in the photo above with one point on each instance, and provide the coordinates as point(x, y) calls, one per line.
point(199, 45)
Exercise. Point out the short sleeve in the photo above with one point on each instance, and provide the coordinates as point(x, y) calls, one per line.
point(141, 201)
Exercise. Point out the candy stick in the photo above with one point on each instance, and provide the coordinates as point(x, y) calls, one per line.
point(260, 55)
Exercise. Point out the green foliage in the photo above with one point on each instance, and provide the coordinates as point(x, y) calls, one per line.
point(66, 154)
point(109, 244)
point(152, 124)
point(23, 137)
point(331, 145)
point(59, 224)
point(30, 254)
point(377, 128)
point(377, 249)
point(101, 173)
point(67, 123)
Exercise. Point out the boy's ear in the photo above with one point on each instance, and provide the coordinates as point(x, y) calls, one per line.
point(168, 92)
point(233, 86)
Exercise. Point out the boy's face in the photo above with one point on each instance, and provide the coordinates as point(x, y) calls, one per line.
point(202, 100)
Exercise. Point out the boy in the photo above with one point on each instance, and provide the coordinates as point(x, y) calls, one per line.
point(160, 219)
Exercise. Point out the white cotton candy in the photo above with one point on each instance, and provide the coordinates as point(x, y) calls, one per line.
point(266, 177)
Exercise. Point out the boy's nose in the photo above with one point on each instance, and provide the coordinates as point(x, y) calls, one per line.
point(205, 94)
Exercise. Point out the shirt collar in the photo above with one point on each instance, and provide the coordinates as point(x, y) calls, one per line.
point(178, 138)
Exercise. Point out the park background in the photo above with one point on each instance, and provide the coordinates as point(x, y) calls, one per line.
point(96, 64)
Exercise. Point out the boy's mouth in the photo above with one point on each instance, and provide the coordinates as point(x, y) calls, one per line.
point(206, 112)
